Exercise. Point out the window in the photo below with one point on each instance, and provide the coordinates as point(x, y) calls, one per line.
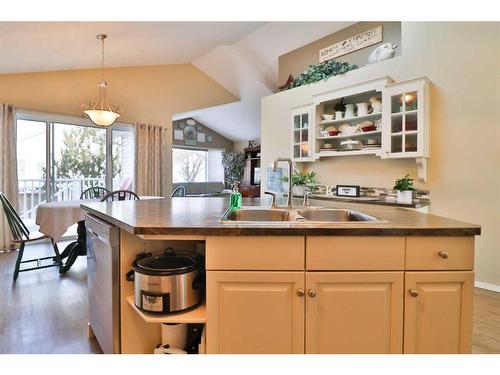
point(58, 157)
point(193, 165)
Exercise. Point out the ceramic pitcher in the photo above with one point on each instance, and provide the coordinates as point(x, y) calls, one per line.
point(363, 109)
point(349, 110)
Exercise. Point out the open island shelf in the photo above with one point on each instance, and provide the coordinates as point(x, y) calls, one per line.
point(197, 314)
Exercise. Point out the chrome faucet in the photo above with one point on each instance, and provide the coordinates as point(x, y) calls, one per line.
point(290, 172)
point(307, 195)
point(273, 198)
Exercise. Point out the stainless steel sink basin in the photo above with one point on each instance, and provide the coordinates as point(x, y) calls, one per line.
point(297, 216)
point(257, 215)
point(334, 215)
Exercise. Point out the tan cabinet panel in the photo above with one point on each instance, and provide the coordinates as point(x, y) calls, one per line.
point(354, 312)
point(438, 312)
point(439, 253)
point(255, 312)
point(355, 253)
point(266, 253)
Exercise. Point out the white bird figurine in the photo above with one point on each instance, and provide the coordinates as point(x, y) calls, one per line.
point(383, 52)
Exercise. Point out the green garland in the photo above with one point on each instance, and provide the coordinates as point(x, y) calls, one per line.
point(322, 71)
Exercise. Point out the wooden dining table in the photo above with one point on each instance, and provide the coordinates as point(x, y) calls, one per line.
point(54, 219)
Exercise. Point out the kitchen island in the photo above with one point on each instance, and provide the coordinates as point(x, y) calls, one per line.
point(398, 284)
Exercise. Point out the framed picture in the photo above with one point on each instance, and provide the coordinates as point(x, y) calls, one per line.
point(178, 135)
point(201, 137)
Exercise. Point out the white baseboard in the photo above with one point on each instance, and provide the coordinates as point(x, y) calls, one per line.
point(492, 287)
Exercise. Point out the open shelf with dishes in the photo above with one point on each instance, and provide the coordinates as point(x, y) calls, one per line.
point(349, 122)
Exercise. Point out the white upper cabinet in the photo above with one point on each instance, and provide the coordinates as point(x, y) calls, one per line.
point(379, 117)
point(302, 133)
point(406, 119)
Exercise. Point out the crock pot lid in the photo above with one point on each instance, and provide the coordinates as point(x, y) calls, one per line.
point(169, 262)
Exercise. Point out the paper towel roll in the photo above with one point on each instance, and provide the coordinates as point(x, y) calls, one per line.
point(174, 335)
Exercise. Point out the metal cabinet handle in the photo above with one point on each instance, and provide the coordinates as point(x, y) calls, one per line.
point(301, 292)
point(311, 293)
point(413, 292)
point(443, 254)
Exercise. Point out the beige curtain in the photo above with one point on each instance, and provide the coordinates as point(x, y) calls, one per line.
point(152, 160)
point(8, 167)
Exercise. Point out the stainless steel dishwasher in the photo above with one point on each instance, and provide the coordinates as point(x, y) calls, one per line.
point(103, 281)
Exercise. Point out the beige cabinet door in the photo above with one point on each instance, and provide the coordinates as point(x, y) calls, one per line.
point(438, 312)
point(354, 312)
point(255, 312)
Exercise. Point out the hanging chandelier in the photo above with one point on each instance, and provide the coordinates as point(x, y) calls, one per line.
point(100, 112)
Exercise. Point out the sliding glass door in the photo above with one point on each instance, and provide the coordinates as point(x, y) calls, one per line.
point(123, 160)
point(58, 157)
point(31, 167)
point(78, 160)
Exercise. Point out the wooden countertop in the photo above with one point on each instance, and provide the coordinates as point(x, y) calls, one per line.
point(199, 216)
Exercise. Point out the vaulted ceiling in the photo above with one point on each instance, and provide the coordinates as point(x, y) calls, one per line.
point(50, 46)
point(241, 56)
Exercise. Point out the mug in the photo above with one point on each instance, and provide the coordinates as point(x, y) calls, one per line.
point(339, 115)
point(363, 109)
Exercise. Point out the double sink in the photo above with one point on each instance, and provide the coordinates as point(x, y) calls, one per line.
point(259, 215)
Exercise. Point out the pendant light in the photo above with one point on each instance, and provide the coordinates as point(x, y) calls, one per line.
point(100, 112)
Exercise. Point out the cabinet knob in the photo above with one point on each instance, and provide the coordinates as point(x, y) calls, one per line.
point(311, 292)
point(413, 292)
point(443, 254)
point(301, 292)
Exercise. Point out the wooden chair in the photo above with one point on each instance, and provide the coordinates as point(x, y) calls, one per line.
point(179, 191)
point(120, 195)
point(21, 235)
point(94, 192)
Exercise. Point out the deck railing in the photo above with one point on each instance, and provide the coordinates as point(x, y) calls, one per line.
point(33, 192)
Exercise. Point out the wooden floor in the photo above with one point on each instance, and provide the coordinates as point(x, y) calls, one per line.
point(44, 312)
point(486, 331)
point(47, 313)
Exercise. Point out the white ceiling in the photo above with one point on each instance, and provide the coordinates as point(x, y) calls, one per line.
point(241, 56)
point(49, 46)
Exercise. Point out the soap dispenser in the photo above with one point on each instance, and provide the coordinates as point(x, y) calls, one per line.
point(235, 199)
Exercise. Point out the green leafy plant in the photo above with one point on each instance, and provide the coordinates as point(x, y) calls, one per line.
point(304, 179)
point(234, 167)
point(404, 184)
point(324, 70)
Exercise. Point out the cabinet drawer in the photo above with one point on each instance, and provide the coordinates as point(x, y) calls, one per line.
point(355, 253)
point(439, 253)
point(263, 253)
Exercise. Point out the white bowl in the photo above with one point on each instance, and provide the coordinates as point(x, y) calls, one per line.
point(328, 117)
point(349, 130)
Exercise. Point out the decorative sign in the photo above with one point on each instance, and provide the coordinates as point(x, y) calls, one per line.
point(352, 44)
point(347, 191)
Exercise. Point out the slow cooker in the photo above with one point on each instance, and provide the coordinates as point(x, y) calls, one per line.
point(167, 282)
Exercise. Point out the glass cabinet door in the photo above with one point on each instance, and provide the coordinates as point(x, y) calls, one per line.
point(404, 122)
point(301, 136)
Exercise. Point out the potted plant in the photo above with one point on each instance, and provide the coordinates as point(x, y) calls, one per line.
point(234, 167)
point(302, 181)
point(404, 188)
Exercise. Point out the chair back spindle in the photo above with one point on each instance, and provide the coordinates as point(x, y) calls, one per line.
point(94, 192)
point(120, 195)
point(17, 227)
point(179, 191)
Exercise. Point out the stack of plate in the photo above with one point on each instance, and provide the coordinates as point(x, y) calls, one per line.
point(350, 145)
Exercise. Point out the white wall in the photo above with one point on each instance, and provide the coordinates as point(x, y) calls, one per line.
point(462, 62)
